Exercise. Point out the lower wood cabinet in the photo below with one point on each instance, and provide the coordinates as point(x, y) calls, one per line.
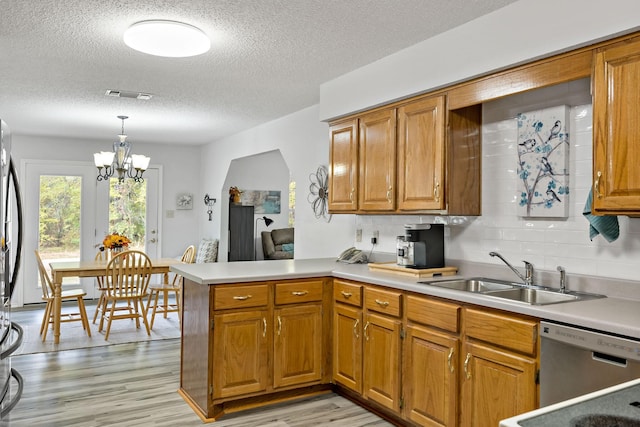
point(297, 348)
point(242, 347)
point(497, 384)
point(381, 357)
point(430, 370)
point(347, 347)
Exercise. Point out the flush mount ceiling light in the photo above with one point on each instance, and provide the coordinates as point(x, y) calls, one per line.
point(166, 38)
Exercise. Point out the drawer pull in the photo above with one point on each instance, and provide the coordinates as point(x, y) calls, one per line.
point(346, 294)
point(466, 366)
point(355, 328)
point(366, 337)
point(382, 303)
point(242, 297)
point(264, 327)
point(299, 293)
point(449, 359)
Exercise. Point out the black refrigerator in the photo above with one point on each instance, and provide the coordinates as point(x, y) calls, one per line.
point(11, 383)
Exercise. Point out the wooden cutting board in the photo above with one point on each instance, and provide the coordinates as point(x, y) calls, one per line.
point(419, 273)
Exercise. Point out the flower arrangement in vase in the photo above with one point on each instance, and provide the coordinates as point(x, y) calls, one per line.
point(115, 242)
point(234, 195)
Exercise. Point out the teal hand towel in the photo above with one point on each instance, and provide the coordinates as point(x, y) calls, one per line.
point(606, 225)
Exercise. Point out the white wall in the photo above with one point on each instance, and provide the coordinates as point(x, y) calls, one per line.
point(302, 139)
point(514, 34)
point(180, 174)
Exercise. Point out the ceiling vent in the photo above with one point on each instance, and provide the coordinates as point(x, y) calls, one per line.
point(133, 95)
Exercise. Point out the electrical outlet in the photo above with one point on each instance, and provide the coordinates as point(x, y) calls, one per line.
point(359, 235)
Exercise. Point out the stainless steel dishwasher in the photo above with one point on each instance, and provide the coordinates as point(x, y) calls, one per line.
point(575, 361)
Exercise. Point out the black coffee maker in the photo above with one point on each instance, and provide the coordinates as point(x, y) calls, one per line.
point(425, 245)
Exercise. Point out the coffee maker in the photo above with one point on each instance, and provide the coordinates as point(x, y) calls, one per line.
point(422, 246)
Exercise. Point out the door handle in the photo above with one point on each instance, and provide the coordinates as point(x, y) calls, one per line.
point(449, 358)
point(467, 372)
point(355, 328)
point(366, 336)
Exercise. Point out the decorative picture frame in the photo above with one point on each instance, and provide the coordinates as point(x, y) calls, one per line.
point(543, 163)
point(184, 201)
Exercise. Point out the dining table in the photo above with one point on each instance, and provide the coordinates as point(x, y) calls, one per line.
point(90, 268)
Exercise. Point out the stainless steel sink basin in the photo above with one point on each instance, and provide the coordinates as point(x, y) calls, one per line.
point(512, 291)
point(533, 296)
point(477, 284)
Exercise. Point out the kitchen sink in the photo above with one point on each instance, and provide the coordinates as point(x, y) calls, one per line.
point(477, 284)
point(536, 295)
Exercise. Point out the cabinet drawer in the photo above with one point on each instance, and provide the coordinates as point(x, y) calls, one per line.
point(226, 297)
point(502, 330)
point(348, 293)
point(383, 301)
point(439, 314)
point(299, 291)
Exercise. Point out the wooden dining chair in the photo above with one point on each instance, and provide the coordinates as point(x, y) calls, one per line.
point(66, 295)
point(101, 285)
point(174, 286)
point(128, 274)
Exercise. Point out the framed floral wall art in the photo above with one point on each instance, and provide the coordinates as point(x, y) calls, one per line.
point(543, 163)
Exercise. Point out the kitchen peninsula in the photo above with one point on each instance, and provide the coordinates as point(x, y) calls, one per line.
point(268, 331)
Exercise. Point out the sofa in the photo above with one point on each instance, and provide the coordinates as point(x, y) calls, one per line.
point(278, 243)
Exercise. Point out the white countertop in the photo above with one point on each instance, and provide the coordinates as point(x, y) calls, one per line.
point(613, 315)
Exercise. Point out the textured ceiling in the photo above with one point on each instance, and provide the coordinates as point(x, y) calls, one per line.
point(268, 59)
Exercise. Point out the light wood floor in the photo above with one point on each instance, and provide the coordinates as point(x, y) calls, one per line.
point(135, 384)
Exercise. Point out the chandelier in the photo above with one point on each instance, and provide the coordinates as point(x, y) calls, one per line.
point(121, 160)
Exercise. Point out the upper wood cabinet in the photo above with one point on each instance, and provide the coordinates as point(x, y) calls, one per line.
point(343, 166)
point(421, 154)
point(407, 162)
point(377, 165)
point(616, 132)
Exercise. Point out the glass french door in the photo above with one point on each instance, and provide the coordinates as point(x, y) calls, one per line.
point(68, 213)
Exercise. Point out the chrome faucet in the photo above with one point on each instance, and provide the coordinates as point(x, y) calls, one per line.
point(528, 269)
point(563, 279)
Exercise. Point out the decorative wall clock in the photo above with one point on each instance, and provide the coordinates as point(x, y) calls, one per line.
point(319, 193)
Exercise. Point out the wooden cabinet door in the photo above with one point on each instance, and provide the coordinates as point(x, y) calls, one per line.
point(381, 360)
point(496, 384)
point(430, 377)
point(298, 354)
point(240, 353)
point(616, 133)
point(421, 155)
point(377, 153)
point(347, 347)
point(343, 166)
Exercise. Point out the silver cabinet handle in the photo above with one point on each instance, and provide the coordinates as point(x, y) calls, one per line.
point(299, 293)
point(279, 325)
point(382, 303)
point(346, 294)
point(366, 336)
point(264, 327)
point(466, 366)
point(355, 328)
point(449, 358)
point(241, 297)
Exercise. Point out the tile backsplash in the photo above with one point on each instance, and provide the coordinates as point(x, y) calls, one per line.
point(544, 242)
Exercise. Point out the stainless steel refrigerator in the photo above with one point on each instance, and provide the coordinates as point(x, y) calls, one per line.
point(11, 383)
